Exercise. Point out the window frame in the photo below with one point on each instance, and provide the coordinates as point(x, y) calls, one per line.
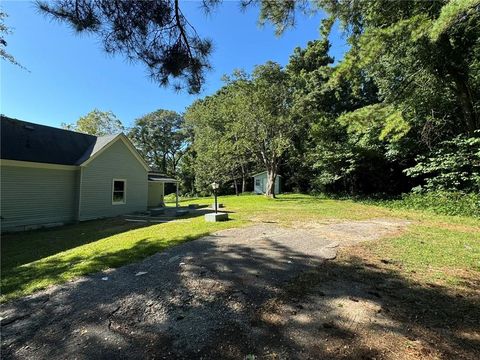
point(124, 201)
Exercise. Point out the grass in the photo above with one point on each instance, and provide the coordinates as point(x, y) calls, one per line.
point(430, 252)
point(34, 260)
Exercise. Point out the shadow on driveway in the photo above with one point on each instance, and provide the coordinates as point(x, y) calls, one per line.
point(262, 290)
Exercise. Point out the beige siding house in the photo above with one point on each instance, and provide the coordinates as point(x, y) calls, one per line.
point(51, 176)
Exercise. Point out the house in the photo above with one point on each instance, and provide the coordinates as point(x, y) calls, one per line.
point(260, 183)
point(52, 176)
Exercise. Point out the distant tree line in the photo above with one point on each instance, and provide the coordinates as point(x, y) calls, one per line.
point(401, 111)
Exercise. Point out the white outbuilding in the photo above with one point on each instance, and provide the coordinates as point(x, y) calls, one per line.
point(260, 183)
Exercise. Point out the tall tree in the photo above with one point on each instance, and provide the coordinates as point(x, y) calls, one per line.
point(161, 139)
point(250, 117)
point(264, 123)
point(270, 127)
point(98, 123)
point(220, 152)
point(422, 56)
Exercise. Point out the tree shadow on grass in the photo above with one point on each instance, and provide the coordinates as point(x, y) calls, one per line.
point(221, 298)
point(24, 247)
point(39, 274)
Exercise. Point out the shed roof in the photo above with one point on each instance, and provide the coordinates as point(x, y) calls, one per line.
point(153, 176)
point(26, 141)
point(264, 172)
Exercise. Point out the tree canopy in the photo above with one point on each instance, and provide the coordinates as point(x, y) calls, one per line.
point(399, 112)
point(161, 139)
point(98, 123)
point(154, 32)
point(249, 117)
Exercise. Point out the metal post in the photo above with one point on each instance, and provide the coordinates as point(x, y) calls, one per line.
point(176, 196)
point(216, 204)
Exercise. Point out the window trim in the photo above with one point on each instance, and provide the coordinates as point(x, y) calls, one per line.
point(124, 192)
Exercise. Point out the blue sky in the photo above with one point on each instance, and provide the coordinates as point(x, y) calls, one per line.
point(71, 75)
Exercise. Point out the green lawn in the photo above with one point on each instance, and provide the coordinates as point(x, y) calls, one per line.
point(36, 259)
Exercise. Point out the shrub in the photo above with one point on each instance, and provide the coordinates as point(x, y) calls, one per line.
point(440, 202)
point(454, 166)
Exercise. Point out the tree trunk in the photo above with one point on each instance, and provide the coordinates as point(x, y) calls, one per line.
point(271, 176)
point(457, 69)
point(235, 185)
point(244, 180)
point(465, 99)
point(164, 163)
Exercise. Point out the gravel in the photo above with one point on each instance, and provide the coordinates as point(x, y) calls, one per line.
point(175, 304)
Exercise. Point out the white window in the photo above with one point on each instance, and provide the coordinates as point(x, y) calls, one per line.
point(119, 191)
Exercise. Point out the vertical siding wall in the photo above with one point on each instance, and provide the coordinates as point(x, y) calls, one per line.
point(155, 193)
point(34, 196)
point(259, 189)
point(116, 162)
point(262, 188)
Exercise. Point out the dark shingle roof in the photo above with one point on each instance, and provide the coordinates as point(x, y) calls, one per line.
point(24, 141)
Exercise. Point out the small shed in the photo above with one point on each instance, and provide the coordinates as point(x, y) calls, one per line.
point(260, 183)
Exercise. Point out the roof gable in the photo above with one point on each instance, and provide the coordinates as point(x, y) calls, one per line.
point(104, 143)
point(95, 147)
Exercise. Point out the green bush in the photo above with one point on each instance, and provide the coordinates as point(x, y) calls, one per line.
point(440, 202)
point(454, 166)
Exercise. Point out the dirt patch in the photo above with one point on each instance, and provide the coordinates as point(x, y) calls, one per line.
point(352, 232)
point(263, 290)
point(361, 307)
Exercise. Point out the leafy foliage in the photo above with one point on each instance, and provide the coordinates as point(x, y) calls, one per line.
point(454, 165)
point(155, 33)
point(404, 101)
point(98, 123)
point(374, 116)
point(161, 139)
point(221, 151)
point(249, 117)
point(400, 111)
point(452, 13)
point(5, 30)
point(439, 202)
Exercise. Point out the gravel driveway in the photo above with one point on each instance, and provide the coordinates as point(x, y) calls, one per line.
point(177, 304)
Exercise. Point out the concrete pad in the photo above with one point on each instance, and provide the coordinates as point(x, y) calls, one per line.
point(181, 212)
point(214, 217)
point(157, 211)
